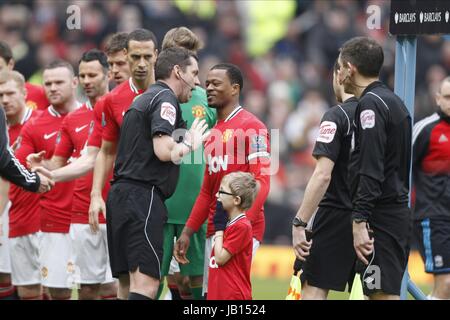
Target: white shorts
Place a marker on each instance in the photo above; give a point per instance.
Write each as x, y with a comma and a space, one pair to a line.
90, 254
5, 262
57, 270
25, 264
208, 250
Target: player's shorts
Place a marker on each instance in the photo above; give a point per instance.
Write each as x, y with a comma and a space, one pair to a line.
25, 265
195, 254
90, 254
332, 257
392, 229
57, 269
5, 262
135, 224
208, 250
434, 245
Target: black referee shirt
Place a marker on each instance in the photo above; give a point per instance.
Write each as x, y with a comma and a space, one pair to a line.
381, 159
334, 142
154, 112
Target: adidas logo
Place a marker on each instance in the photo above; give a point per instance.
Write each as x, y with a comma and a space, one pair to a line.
443, 138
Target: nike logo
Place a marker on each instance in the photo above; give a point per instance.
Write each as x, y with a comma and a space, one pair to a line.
80, 128
48, 136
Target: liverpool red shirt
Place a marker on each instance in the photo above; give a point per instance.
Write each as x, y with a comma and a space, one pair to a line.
75, 129
37, 135
231, 281
238, 143
116, 104
24, 213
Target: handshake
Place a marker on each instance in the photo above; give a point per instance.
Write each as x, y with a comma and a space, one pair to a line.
35, 164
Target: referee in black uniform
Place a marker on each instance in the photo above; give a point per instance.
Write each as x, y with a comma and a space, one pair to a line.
379, 170
145, 173
12, 170
332, 243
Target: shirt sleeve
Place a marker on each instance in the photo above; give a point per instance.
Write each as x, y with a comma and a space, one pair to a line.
236, 238
64, 144
111, 129
200, 210
95, 136
258, 151
372, 138
10, 167
164, 115
331, 131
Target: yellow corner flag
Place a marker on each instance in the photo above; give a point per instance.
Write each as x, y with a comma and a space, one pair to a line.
357, 289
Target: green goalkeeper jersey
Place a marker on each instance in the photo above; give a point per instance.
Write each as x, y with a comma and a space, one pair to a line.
179, 206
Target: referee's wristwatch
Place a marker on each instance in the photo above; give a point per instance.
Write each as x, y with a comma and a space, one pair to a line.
297, 222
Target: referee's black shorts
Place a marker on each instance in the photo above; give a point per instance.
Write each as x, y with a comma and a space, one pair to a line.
330, 264
135, 219
392, 232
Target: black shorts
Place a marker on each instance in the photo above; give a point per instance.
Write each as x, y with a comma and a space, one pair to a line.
331, 261
135, 222
392, 232
434, 243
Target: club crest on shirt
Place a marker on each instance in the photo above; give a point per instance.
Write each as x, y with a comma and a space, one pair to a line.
198, 112
327, 131
168, 112
44, 272
367, 118
31, 104
227, 134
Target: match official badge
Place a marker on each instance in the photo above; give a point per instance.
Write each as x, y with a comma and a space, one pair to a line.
168, 112
227, 134
367, 118
327, 131
198, 112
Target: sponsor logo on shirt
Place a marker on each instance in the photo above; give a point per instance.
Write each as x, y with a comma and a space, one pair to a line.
327, 131
49, 135
168, 112
367, 118
215, 164
198, 112
80, 128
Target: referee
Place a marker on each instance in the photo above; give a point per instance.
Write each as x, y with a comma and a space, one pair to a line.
145, 174
13, 171
379, 168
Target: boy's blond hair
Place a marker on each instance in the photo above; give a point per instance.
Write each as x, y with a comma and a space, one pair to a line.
243, 185
182, 37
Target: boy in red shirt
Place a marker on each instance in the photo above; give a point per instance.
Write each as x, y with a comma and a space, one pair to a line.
231, 258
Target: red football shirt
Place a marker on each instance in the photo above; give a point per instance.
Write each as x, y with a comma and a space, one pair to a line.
37, 135
36, 98
24, 212
238, 143
74, 133
232, 280
116, 104
95, 137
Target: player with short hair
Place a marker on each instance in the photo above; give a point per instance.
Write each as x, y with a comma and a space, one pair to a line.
35, 95
239, 142
22, 219
379, 168
180, 204
431, 168
328, 193
55, 206
231, 257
